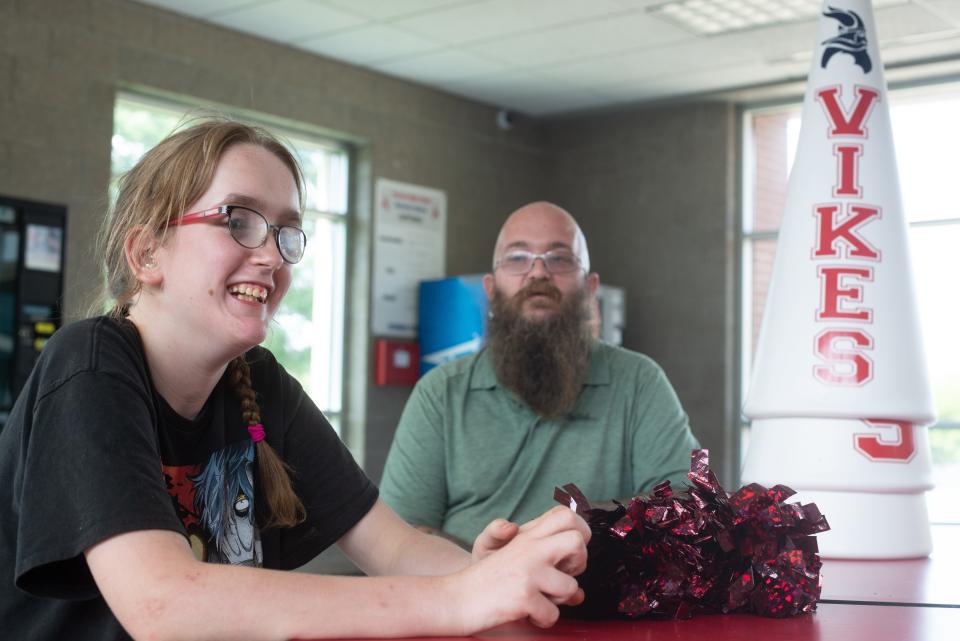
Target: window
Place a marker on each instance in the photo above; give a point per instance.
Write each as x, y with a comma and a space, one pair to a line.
925, 131
307, 335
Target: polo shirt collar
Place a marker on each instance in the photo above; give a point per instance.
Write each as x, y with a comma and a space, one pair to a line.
598, 369
483, 376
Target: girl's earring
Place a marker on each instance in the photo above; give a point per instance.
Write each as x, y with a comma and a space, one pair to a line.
150, 262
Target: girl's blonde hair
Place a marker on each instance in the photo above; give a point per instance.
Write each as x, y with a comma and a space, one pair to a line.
164, 182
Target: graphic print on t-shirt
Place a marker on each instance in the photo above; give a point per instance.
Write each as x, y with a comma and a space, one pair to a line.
215, 505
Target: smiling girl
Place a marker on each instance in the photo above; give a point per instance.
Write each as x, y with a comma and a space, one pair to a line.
159, 467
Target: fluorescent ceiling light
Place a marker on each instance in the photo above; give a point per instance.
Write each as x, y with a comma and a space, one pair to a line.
713, 17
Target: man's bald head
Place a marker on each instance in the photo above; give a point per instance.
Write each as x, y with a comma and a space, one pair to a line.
545, 224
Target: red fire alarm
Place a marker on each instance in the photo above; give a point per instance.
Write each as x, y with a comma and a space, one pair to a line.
397, 362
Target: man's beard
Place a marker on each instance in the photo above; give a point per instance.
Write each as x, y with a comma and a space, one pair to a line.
543, 361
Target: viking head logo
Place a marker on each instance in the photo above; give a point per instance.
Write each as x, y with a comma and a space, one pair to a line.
851, 38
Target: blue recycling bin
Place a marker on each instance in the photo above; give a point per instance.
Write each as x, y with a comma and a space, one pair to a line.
453, 313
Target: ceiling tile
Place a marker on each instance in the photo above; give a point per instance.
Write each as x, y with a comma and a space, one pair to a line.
441, 67
584, 40
904, 51
695, 81
534, 103
899, 21
775, 41
527, 92
393, 9
948, 9
370, 44
498, 18
692, 55
505, 82
287, 20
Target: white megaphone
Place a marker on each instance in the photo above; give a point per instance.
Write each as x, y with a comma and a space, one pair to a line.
840, 395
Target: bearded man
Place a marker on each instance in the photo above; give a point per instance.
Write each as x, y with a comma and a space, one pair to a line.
543, 404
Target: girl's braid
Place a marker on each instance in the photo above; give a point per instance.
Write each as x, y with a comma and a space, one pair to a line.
286, 509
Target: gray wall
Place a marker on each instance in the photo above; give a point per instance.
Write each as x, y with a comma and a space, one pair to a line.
654, 191
652, 188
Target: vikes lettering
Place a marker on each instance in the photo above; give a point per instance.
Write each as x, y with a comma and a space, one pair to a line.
839, 239
845, 261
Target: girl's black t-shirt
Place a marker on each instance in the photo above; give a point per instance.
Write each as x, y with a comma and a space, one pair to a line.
90, 451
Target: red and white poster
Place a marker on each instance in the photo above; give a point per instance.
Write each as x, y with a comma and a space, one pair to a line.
410, 241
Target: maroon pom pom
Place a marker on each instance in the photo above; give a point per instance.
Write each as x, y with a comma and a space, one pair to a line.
674, 553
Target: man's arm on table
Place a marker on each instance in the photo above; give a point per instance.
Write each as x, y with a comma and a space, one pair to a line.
414, 477
662, 439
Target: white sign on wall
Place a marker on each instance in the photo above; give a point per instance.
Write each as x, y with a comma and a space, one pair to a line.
409, 246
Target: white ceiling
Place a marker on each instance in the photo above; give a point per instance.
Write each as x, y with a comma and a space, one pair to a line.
546, 57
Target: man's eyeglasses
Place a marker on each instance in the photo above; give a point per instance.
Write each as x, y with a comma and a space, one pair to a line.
556, 261
250, 229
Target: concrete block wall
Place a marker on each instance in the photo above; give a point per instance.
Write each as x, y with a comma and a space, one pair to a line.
653, 188
654, 191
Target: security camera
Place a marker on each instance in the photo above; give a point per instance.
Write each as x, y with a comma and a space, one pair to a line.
505, 119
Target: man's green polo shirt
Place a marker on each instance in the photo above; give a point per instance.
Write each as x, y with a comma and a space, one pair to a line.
468, 451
